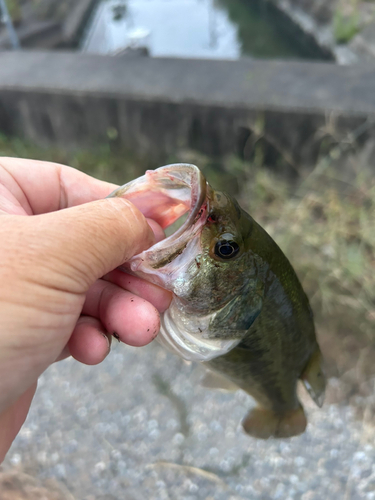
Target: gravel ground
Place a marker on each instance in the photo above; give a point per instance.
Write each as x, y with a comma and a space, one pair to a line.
140, 426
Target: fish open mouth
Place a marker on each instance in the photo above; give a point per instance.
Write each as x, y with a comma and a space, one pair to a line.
166, 195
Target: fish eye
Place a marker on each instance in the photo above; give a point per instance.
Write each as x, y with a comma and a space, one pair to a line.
226, 249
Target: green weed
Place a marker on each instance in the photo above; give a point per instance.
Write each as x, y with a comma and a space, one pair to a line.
14, 10
104, 162
345, 26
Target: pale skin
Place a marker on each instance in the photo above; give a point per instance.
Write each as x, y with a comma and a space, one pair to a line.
60, 292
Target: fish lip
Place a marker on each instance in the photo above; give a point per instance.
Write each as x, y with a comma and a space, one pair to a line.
181, 174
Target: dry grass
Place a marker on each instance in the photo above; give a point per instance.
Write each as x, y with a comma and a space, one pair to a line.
327, 229
350, 17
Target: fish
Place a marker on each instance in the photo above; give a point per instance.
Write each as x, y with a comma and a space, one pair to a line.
238, 306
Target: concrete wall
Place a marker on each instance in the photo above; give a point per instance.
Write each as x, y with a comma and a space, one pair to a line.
159, 106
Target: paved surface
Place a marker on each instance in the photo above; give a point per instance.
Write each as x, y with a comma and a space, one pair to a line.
141, 426
283, 85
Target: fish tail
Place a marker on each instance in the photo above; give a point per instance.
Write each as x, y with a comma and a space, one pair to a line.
313, 378
263, 424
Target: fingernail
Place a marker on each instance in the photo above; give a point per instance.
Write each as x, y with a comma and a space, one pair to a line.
109, 341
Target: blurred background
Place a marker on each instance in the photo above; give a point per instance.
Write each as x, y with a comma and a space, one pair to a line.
275, 101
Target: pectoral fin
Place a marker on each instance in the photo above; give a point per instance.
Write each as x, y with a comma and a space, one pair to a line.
213, 380
239, 314
313, 378
263, 424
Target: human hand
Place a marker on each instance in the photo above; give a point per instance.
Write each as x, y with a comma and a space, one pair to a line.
60, 292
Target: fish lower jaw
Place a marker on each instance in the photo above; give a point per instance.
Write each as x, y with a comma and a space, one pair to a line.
190, 346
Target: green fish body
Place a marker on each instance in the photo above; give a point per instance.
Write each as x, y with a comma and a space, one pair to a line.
237, 305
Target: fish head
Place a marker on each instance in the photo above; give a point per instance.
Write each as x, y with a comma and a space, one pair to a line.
207, 259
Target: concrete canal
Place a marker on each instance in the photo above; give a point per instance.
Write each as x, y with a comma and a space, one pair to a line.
214, 29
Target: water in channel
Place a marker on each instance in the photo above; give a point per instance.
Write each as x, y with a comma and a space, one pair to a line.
221, 29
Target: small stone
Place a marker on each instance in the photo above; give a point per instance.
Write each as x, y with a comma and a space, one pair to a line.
299, 461
178, 439
15, 459
100, 466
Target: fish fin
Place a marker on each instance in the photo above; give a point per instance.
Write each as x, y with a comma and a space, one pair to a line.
263, 424
250, 305
212, 380
313, 378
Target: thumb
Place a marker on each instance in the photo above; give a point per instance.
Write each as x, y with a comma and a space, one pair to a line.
78, 245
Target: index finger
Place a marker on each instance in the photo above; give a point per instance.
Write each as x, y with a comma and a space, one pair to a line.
39, 187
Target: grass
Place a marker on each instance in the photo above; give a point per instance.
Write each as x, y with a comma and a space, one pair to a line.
326, 227
105, 162
14, 10
349, 17
345, 26
324, 223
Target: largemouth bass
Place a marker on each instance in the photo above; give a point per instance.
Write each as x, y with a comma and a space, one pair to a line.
237, 304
